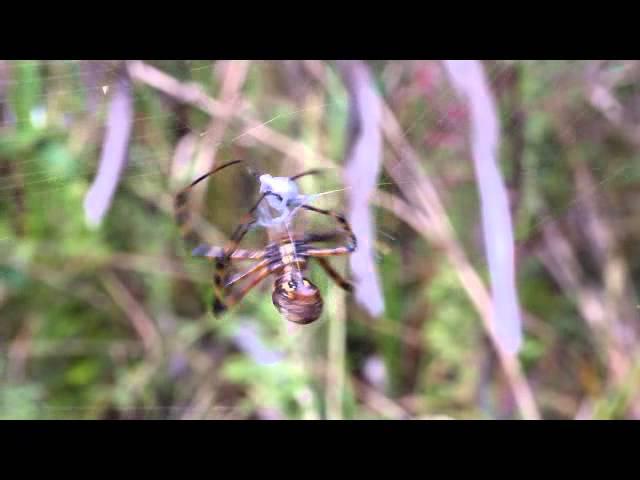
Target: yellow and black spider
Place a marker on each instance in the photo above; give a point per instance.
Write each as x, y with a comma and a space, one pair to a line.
286, 258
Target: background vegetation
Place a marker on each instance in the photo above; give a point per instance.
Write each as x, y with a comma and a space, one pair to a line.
112, 321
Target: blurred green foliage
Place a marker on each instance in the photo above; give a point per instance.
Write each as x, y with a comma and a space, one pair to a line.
72, 297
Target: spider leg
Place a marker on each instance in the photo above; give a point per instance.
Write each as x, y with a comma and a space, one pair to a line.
222, 303
224, 258
327, 252
212, 251
320, 237
181, 206
220, 287
352, 242
236, 237
308, 172
335, 276
236, 278
257, 274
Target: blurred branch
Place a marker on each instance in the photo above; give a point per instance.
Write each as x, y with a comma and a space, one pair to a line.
233, 78
600, 94
614, 401
94, 75
619, 296
73, 347
151, 264
202, 402
469, 79
59, 281
141, 322
425, 200
114, 152
408, 214
247, 338
183, 153
426, 214
336, 362
379, 402
194, 95
18, 352
361, 171
165, 202
559, 258
610, 307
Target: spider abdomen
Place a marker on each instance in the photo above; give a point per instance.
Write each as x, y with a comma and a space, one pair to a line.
297, 301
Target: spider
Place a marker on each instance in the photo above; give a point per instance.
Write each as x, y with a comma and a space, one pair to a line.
286, 257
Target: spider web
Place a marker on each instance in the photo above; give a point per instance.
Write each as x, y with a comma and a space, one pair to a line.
586, 206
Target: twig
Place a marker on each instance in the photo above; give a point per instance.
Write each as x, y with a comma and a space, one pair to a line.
379, 402
232, 83
336, 358
469, 79
114, 153
147, 263
18, 352
426, 199
141, 322
194, 95
428, 217
601, 98
363, 164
